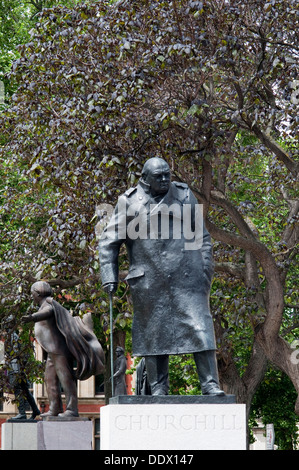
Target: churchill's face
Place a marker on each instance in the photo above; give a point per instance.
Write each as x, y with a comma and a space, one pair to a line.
158, 176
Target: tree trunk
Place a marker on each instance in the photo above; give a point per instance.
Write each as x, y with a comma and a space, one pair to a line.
267, 338
268, 345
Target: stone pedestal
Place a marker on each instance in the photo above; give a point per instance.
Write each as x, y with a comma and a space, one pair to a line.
19, 435
64, 435
51, 434
173, 423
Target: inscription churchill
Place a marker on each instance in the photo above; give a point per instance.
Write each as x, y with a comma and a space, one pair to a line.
184, 422
171, 268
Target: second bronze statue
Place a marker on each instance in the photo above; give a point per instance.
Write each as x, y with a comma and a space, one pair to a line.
65, 339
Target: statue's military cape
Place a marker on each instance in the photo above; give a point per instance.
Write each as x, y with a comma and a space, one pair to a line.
81, 342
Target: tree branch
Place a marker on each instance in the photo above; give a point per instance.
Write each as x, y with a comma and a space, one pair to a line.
275, 305
231, 268
272, 145
218, 199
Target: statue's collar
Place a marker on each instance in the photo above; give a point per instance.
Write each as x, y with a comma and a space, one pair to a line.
145, 186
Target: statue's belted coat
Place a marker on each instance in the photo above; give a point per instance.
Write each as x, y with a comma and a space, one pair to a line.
169, 281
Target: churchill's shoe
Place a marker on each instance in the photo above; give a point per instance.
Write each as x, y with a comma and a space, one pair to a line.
214, 390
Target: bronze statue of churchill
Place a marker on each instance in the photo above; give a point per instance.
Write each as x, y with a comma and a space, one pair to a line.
169, 277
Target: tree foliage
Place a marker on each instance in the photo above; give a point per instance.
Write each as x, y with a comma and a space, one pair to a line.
17, 18
209, 86
273, 403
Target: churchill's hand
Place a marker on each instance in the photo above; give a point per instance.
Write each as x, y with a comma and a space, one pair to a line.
110, 287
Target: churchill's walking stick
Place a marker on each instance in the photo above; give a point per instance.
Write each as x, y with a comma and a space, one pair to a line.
111, 343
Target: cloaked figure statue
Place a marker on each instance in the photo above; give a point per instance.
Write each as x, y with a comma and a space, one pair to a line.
65, 339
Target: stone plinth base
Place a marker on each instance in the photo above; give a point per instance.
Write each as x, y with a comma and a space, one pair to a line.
19, 435
173, 426
48, 435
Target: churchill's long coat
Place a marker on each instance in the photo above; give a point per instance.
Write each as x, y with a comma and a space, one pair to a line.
169, 282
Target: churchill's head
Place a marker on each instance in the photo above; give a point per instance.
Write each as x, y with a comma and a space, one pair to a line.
156, 173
